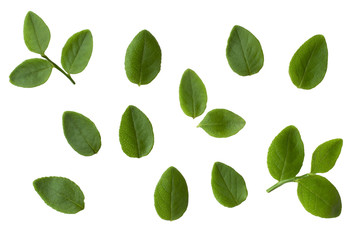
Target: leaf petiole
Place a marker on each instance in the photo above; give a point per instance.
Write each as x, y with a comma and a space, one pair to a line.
58, 68
280, 183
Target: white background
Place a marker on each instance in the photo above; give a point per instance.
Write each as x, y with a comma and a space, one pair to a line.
192, 34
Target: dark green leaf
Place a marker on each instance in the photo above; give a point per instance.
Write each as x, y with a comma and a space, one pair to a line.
77, 52
171, 195
286, 154
244, 52
81, 133
309, 64
319, 197
228, 186
222, 123
31, 73
325, 156
136, 133
192, 94
60, 193
143, 58
36, 33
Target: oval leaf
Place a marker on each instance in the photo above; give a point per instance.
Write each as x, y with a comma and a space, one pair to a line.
36, 33
81, 133
244, 52
192, 92
31, 73
319, 197
77, 52
286, 154
143, 58
309, 64
222, 123
136, 133
60, 193
325, 156
228, 186
171, 195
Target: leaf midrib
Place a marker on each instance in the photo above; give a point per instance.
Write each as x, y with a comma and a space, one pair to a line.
36, 34
242, 50
77, 52
307, 65
227, 187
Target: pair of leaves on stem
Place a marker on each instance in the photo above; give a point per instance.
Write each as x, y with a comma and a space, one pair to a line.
218, 123
36, 71
316, 193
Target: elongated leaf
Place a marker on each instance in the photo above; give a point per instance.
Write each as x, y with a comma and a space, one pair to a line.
60, 193
222, 123
81, 133
136, 133
325, 156
36, 33
319, 197
77, 52
171, 195
31, 73
143, 58
309, 63
192, 92
244, 52
286, 154
228, 186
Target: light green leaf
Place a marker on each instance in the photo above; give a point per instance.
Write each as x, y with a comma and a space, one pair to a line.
228, 186
171, 195
309, 64
319, 197
222, 123
31, 73
286, 154
143, 58
192, 92
136, 133
36, 33
325, 156
81, 133
77, 52
244, 52
60, 193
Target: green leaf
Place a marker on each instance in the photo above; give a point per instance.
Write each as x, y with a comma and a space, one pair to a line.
77, 52
222, 123
136, 133
286, 154
192, 94
36, 33
171, 195
309, 64
31, 73
81, 133
319, 197
244, 52
325, 156
228, 186
60, 193
143, 58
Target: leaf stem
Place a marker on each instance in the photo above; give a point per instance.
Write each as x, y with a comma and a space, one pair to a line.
280, 183
59, 68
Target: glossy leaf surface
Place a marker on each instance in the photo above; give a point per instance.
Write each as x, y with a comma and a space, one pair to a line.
60, 193
171, 195
31, 73
244, 52
228, 186
192, 92
319, 197
286, 154
136, 133
222, 123
325, 156
143, 58
36, 33
77, 52
309, 63
81, 133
